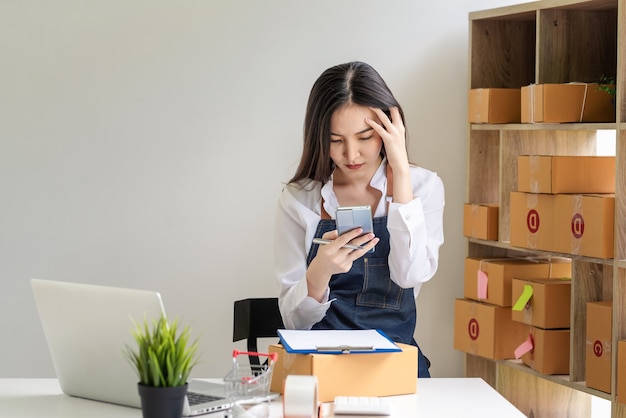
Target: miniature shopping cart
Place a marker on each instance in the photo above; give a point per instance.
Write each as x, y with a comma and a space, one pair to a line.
247, 383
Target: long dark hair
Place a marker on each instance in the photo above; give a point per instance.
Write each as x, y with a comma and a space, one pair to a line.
351, 83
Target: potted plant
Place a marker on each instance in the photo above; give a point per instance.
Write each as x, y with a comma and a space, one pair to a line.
163, 360
607, 85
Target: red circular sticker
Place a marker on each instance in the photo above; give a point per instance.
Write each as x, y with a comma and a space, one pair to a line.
473, 329
597, 348
532, 221
578, 226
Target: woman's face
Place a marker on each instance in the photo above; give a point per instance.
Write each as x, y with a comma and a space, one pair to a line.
354, 146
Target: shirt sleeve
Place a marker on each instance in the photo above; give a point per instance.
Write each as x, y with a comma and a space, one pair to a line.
416, 232
298, 310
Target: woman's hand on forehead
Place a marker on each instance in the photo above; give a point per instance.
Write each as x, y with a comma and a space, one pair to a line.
393, 134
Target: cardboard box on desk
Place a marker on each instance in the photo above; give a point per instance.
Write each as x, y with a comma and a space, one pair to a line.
497, 276
361, 374
564, 103
486, 330
565, 174
532, 220
494, 105
584, 225
480, 220
550, 352
599, 345
543, 303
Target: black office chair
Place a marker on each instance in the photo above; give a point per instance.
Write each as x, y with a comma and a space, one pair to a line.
256, 318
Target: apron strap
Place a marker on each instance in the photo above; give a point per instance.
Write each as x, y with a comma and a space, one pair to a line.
325, 214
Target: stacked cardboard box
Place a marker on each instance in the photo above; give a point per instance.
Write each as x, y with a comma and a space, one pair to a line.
544, 304
569, 102
490, 280
483, 323
554, 174
541, 103
598, 347
494, 105
480, 220
485, 330
564, 204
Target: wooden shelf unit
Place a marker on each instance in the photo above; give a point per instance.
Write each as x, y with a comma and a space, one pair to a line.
549, 41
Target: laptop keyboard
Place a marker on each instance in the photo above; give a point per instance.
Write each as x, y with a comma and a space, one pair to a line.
195, 398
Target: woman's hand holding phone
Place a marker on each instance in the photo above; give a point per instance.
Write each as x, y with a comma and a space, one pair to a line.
334, 258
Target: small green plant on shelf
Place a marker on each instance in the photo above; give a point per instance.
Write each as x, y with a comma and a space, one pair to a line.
607, 84
164, 356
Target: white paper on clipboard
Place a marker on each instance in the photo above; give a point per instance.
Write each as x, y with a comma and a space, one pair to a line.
336, 341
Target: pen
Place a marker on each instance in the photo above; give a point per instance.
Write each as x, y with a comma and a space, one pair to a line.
346, 348
321, 241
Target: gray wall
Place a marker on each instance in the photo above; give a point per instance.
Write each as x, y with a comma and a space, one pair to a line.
144, 144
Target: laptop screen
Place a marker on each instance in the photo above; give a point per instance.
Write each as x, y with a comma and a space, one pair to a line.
87, 328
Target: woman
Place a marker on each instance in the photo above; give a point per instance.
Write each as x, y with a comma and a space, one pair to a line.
355, 155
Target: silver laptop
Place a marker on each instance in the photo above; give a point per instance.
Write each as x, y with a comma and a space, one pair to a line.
88, 326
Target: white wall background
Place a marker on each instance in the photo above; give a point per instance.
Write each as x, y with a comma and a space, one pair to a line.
144, 144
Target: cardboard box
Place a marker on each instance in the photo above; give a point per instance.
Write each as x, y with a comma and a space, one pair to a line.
549, 305
598, 345
565, 174
363, 374
480, 220
494, 105
500, 273
532, 221
621, 371
583, 225
550, 353
486, 330
562, 103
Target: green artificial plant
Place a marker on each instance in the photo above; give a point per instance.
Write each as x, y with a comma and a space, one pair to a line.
607, 84
164, 356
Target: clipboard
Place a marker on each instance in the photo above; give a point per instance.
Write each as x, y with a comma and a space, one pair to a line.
336, 341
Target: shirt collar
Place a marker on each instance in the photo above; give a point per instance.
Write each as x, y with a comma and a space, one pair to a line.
379, 182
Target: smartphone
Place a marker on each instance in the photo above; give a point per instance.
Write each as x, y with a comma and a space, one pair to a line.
350, 217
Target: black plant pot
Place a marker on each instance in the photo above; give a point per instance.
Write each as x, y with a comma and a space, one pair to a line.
162, 402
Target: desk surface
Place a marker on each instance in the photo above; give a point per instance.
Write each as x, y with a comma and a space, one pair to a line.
436, 397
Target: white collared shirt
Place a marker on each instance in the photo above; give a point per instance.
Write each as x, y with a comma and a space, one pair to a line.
415, 234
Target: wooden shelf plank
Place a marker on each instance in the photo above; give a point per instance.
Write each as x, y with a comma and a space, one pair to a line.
563, 380
508, 246
545, 126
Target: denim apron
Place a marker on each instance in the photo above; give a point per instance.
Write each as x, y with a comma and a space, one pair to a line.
367, 298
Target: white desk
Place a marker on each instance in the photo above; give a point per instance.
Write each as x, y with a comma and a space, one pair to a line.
458, 397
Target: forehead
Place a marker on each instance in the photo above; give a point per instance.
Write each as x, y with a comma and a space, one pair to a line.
350, 119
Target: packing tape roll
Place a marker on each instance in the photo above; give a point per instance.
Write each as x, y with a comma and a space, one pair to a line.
300, 397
